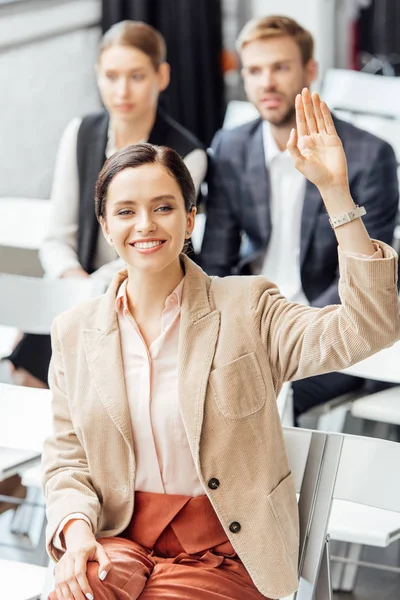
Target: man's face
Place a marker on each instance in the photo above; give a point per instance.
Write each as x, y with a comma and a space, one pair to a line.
273, 73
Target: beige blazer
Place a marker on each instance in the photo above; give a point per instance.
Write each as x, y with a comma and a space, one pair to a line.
239, 341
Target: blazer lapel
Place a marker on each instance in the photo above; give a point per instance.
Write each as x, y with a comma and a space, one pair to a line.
103, 354
198, 337
311, 209
257, 185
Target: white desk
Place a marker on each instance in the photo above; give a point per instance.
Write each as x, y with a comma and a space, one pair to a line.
14, 460
23, 222
20, 581
383, 366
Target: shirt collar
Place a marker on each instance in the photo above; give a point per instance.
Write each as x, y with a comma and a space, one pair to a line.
271, 149
121, 301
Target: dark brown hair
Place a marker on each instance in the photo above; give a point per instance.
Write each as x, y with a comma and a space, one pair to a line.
277, 26
138, 155
136, 35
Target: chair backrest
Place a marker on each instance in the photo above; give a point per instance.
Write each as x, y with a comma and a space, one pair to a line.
371, 102
362, 93
30, 304
306, 454
355, 469
367, 472
298, 444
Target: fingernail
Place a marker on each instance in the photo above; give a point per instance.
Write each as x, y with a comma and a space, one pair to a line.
89, 596
103, 575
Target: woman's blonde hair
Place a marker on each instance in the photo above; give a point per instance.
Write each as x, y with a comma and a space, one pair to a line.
136, 35
276, 26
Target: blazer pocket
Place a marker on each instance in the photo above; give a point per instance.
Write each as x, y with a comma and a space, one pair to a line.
284, 507
238, 387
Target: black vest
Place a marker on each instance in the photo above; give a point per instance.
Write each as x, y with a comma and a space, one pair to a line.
92, 141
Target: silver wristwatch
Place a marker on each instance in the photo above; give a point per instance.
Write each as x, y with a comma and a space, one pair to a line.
356, 213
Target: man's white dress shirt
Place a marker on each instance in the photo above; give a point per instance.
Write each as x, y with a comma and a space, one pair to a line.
287, 189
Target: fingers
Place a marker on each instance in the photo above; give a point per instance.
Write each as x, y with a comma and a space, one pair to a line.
309, 111
104, 562
319, 117
313, 115
301, 123
70, 590
80, 568
329, 124
294, 152
71, 581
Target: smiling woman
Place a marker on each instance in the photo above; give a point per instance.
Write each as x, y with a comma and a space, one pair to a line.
166, 474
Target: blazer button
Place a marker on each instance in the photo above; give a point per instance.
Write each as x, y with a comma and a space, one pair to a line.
213, 484
235, 527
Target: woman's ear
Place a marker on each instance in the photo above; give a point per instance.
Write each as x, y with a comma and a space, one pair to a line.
164, 76
191, 218
105, 230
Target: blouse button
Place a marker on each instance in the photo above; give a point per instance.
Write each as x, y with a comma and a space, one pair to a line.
213, 484
235, 527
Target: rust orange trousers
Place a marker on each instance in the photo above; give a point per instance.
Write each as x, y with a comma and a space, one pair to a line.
174, 548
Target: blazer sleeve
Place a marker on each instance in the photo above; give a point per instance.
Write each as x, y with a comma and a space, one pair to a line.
66, 477
378, 191
221, 243
303, 341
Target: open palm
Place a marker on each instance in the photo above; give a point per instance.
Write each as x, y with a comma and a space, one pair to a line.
315, 147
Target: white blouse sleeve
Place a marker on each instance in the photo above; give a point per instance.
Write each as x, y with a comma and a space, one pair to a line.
59, 249
196, 162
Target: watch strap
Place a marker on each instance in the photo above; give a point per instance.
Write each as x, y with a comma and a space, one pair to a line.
355, 213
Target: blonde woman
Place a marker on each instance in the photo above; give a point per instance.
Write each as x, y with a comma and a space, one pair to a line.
131, 73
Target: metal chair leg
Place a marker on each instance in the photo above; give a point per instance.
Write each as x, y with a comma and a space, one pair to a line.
324, 585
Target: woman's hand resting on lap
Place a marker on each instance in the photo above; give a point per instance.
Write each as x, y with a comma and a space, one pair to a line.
71, 581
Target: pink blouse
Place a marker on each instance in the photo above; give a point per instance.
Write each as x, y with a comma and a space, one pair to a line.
164, 463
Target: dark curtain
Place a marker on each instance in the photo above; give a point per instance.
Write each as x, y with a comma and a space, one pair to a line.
193, 33
379, 33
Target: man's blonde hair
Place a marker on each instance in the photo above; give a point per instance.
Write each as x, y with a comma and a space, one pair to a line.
276, 26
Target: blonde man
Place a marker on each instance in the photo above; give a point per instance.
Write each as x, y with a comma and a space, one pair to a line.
263, 217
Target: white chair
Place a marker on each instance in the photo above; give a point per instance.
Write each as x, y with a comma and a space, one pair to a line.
30, 304
366, 497
370, 102
353, 527
357, 92
23, 224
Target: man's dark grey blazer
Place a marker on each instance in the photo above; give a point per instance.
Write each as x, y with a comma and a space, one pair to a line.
238, 203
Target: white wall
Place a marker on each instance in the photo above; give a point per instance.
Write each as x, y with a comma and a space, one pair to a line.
318, 16
47, 56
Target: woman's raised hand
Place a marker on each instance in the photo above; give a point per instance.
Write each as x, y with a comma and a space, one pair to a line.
315, 147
